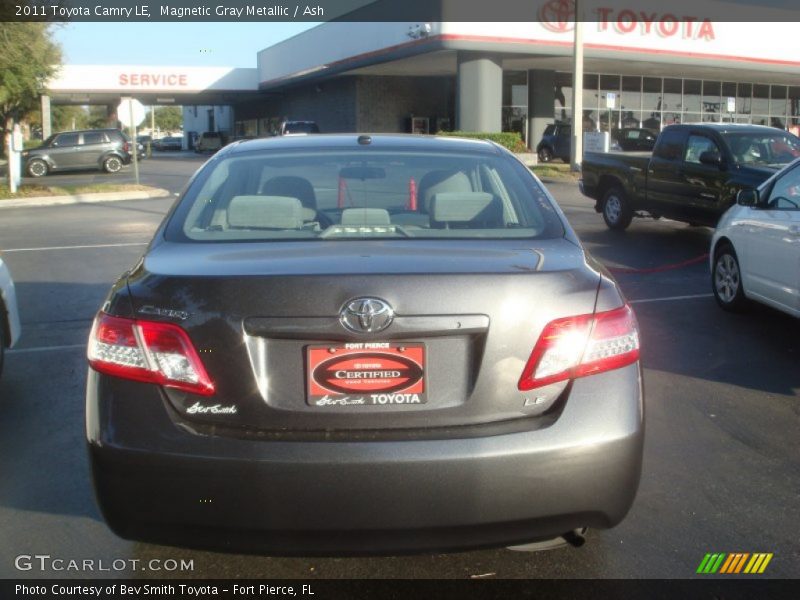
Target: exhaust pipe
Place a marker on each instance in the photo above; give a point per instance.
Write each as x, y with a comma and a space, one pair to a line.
576, 537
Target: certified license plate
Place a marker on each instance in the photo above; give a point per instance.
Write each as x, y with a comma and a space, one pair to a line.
366, 374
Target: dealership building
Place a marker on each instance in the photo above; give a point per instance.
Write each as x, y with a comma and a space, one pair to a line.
646, 70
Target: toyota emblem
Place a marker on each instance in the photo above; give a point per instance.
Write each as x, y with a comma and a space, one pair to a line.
366, 315
557, 15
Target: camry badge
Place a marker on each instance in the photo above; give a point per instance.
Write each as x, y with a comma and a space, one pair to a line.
366, 315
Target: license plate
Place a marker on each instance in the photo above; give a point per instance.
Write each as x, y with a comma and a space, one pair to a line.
366, 374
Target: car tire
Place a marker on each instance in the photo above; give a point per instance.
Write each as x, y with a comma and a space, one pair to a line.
112, 164
726, 279
545, 155
617, 212
37, 168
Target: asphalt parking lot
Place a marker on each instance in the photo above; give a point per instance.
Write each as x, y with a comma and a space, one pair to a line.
722, 462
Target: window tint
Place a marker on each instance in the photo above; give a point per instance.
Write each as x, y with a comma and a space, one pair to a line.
696, 145
670, 145
66, 139
93, 137
301, 127
549, 130
333, 195
786, 192
773, 149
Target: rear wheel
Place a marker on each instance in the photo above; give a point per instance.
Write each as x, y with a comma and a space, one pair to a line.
37, 168
726, 279
617, 212
112, 165
545, 155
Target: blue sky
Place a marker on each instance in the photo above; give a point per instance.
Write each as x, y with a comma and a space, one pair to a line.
180, 44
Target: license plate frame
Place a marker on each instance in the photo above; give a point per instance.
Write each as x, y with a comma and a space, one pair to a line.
366, 374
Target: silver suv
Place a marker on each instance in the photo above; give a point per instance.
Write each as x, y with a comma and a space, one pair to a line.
106, 149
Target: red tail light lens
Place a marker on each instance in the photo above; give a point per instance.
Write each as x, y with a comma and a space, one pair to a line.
126, 147
583, 345
148, 351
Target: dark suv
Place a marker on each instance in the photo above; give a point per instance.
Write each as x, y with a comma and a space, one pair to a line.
555, 143
107, 149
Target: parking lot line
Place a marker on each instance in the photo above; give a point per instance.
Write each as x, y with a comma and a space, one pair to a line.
45, 349
670, 298
8, 250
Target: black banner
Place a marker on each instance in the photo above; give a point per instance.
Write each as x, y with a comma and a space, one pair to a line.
733, 588
555, 11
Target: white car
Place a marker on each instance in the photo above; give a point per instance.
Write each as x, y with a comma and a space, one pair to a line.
9, 316
755, 251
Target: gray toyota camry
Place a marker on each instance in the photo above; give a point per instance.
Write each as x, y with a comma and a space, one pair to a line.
364, 344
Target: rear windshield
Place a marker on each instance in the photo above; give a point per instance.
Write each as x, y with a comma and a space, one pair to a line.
336, 195
301, 127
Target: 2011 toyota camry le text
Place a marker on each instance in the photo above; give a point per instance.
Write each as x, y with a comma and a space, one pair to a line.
343, 344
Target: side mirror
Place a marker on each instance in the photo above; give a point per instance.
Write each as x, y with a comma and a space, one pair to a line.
709, 157
747, 197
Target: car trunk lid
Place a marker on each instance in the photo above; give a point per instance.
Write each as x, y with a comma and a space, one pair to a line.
262, 317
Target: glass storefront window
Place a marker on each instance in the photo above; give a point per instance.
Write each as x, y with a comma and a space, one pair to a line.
711, 101
652, 89
563, 96
654, 103
760, 104
794, 106
515, 102
728, 91
631, 101
744, 98
609, 117
673, 101
777, 105
692, 88
515, 88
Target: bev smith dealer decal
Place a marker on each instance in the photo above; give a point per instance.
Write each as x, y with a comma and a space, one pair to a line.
370, 374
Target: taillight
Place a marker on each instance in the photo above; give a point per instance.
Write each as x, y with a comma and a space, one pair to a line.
583, 345
149, 351
126, 147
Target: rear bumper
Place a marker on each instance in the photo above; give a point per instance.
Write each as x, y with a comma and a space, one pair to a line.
159, 483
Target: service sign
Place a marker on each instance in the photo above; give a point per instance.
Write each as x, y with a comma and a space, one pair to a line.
366, 374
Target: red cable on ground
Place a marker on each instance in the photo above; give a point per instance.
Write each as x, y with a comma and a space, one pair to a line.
686, 263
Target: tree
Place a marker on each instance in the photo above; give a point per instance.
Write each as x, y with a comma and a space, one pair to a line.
28, 58
98, 117
169, 118
67, 118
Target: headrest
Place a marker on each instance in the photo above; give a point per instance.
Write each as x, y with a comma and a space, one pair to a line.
435, 182
365, 216
273, 212
478, 208
292, 187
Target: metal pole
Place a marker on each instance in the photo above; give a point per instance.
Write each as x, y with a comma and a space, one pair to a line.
152, 131
576, 151
134, 142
